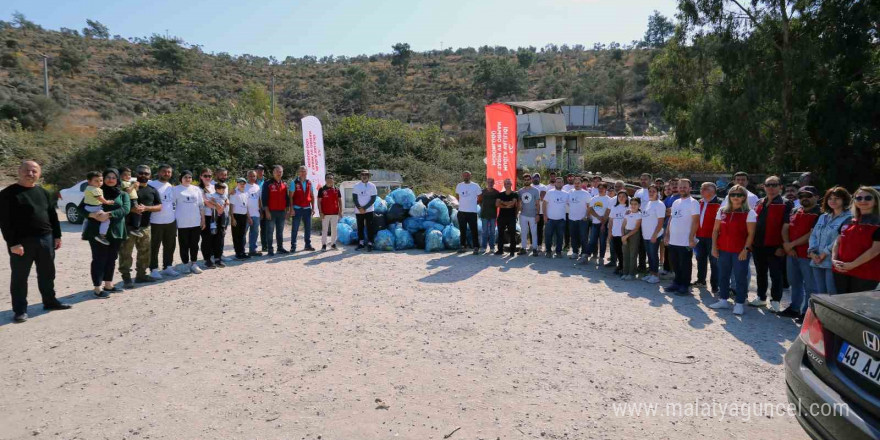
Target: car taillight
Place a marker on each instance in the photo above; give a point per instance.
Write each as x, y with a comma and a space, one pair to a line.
813, 334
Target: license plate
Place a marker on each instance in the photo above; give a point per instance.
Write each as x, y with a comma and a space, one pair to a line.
860, 362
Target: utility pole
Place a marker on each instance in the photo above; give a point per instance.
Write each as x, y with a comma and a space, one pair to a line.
272, 110
46, 75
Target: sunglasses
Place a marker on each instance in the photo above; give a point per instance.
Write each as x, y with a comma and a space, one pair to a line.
736, 195
771, 185
144, 174
207, 176
805, 196
867, 198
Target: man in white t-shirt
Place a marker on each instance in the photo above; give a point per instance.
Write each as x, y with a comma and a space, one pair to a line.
555, 203
253, 189
600, 209
645, 181
467, 193
741, 178
542, 190
364, 196
163, 227
578, 205
681, 238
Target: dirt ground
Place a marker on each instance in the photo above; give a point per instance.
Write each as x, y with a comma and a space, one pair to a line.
410, 345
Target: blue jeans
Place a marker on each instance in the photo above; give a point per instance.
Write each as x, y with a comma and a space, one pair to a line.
487, 236
800, 278
303, 215
554, 228
579, 238
729, 264
682, 264
653, 253
824, 279
598, 240
254, 234
706, 261
276, 223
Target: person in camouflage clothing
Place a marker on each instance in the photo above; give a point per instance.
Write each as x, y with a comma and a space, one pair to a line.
147, 202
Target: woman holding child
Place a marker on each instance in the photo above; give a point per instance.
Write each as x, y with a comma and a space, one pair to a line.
104, 255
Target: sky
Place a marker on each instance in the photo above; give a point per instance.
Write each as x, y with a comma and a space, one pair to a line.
349, 27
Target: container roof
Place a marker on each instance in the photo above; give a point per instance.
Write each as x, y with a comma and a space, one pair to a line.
536, 106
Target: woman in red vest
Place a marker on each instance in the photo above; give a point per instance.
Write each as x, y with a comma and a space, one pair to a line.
732, 238
856, 254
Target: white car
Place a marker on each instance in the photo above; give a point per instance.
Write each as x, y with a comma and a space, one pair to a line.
69, 199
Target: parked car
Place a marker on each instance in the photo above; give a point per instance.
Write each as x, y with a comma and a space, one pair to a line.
69, 199
832, 370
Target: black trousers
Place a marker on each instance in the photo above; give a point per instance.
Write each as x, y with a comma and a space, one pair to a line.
39, 251
766, 262
468, 221
212, 241
162, 235
682, 264
643, 256
847, 284
104, 260
365, 221
507, 226
188, 239
263, 244
540, 223
617, 244
238, 233
133, 220
567, 234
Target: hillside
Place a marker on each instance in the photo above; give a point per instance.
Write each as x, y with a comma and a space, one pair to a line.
102, 81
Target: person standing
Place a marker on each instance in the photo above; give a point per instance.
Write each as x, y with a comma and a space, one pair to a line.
163, 226
467, 193
329, 207
253, 189
303, 203
555, 202
645, 180
208, 233
836, 213
791, 194
32, 233
578, 204
188, 213
507, 205
795, 241
615, 232
856, 254
488, 216
276, 209
148, 202
732, 236
709, 205
542, 189
741, 178
529, 201
600, 209
632, 237
238, 201
260, 171
104, 255
681, 238
773, 212
653, 214
364, 197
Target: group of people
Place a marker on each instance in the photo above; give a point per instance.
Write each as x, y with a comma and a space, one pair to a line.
827, 244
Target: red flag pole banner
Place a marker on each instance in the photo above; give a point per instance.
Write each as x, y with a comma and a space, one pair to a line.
500, 144
313, 153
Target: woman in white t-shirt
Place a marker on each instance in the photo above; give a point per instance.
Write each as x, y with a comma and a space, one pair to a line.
188, 206
615, 232
653, 214
631, 238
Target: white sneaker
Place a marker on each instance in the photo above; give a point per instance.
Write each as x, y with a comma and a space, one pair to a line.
184, 268
170, 272
758, 302
194, 268
720, 304
775, 307
738, 309
155, 273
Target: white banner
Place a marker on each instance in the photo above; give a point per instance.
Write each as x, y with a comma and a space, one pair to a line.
313, 153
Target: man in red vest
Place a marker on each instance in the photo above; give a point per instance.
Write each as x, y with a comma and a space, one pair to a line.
303, 202
709, 204
276, 204
773, 212
796, 240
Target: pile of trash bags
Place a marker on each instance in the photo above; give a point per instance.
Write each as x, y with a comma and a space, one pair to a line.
403, 221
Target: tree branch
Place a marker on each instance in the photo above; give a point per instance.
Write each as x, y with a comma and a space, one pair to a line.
755, 21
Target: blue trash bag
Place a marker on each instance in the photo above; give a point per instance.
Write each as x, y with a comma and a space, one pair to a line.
454, 218
343, 232
354, 236
418, 210
403, 196
413, 224
350, 221
451, 237
379, 206
384, 240
438, 212
394, 226
403, 240
429, 226
434, 241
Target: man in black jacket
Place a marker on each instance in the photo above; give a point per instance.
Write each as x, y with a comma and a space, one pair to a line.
30, 227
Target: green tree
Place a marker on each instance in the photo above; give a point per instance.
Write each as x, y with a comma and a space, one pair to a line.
401, 56
525, 57
499, 77
71, 59
23, 23
95, 29
659, 30
357, 90
169, 54
619, 85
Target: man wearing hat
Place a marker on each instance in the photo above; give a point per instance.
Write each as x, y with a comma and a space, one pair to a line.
364, 196
795, 241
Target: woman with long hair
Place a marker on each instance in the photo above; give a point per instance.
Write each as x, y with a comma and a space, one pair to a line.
835, 213
189, 203
732, 239
615, 232
856, 253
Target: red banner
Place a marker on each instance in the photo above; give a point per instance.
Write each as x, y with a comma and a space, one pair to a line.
500, 144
